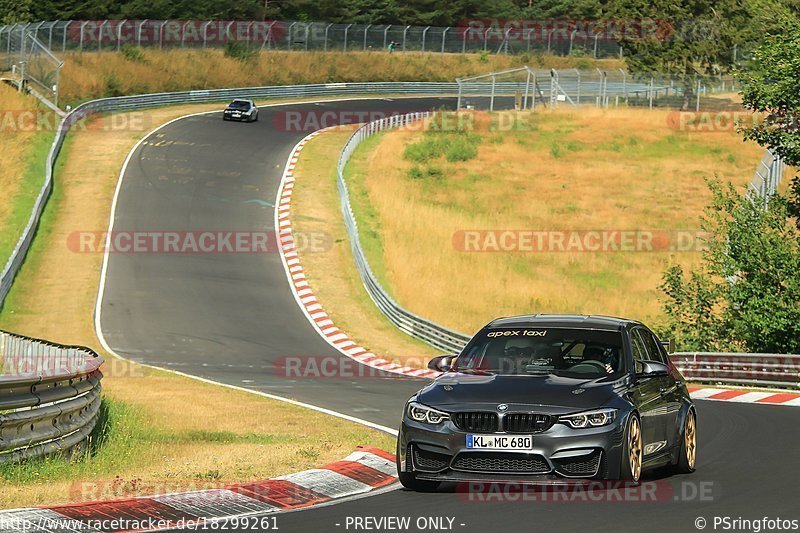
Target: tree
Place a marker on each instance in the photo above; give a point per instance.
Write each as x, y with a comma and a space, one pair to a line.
746, 295
770, 87
14, 11
681, 39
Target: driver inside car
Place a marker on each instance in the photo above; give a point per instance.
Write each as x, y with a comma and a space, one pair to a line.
602, 355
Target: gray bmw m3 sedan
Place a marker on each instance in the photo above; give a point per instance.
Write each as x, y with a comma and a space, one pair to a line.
546, 397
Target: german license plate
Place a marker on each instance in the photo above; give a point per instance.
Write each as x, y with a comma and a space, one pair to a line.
499, 442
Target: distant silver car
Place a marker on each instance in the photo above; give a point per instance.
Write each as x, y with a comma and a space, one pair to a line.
241, 110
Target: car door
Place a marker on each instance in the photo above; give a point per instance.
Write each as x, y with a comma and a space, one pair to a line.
668, 387
647, 396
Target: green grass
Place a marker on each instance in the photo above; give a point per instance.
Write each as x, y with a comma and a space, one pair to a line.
115, 442
23, 200
369, 228
14, 304
121, 438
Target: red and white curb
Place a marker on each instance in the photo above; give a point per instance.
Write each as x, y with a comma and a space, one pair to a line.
745, 396
364, 470
305, 295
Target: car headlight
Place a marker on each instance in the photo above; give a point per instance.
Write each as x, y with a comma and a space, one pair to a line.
423, 413
589, 419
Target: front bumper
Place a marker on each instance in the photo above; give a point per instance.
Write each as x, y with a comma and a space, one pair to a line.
239, 118
439, 453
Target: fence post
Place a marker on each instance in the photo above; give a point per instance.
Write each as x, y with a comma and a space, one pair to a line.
491, 102
650, 93
385, 32
83, 26
697, 107
64, 37
289, 36
205, 34
405, 31
100, 35
597, 36
346, 30
423, 37
444, 33
458, 103
366, 29
571, 38
486, 39
328, 27
527, 88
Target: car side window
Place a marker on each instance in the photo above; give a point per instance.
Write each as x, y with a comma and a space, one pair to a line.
653, 348
639, 351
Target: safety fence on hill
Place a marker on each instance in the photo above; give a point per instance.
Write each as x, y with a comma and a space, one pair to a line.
49, 397
557, 37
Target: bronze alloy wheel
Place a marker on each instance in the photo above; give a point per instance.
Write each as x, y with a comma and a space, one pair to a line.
690, 437
635, 449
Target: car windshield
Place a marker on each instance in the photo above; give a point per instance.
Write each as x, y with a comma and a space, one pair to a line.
578, 353
239, 104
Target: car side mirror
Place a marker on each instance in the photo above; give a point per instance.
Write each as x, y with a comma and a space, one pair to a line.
653, 369
443, 363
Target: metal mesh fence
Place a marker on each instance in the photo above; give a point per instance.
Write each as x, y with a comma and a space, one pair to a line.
93, 35
31, 60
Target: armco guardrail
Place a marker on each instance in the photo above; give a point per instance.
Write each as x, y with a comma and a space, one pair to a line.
438, 336
49, 397
774, 370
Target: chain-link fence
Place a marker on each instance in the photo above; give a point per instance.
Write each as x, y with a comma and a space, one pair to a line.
531, 88
87, 35
31, 61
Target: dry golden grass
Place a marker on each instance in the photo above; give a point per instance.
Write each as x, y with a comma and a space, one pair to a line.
331, 272
587, 170
189, 434
97, 74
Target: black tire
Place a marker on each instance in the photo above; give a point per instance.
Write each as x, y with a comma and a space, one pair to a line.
687, 455
631, 467
410, 481
256, 119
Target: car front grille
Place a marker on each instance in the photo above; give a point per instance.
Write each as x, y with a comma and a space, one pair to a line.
585, 465
429, 461
485, 422
510, 463
526, 423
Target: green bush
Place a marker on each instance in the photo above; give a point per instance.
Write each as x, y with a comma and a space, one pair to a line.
461, 149
240, 51
420, 152
415, 173
132, 53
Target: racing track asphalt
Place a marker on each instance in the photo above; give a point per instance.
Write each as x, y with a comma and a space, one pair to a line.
231, 317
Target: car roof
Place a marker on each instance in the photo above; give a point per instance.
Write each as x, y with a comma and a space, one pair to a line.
563, 321
242, 100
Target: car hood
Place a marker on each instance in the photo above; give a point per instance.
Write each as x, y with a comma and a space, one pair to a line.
550, 394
